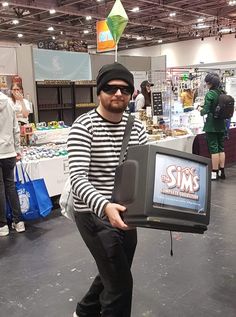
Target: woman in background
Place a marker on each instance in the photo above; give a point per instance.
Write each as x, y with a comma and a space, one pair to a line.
187, 98
143, 100
20, 104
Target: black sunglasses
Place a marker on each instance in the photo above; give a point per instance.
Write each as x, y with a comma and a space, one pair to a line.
112, 89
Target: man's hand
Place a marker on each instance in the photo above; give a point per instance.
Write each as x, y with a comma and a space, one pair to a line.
113, 213
18, 157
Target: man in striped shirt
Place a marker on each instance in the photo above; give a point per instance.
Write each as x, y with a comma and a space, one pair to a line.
94, 146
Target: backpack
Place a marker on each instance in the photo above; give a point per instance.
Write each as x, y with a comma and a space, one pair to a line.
224, 108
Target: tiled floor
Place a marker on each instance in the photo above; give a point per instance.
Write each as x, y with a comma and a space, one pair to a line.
44, 271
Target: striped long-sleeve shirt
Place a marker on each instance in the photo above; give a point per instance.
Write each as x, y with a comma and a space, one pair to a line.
94, 146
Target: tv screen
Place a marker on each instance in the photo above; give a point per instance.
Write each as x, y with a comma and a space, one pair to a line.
164, 189
180, 184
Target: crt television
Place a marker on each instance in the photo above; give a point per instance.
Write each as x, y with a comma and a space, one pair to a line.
164, 189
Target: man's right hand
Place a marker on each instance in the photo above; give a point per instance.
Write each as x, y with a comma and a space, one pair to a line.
113, 211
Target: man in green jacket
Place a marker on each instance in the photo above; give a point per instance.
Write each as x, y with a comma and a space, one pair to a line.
214, 128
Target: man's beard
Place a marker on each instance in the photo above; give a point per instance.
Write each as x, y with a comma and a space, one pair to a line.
115, 108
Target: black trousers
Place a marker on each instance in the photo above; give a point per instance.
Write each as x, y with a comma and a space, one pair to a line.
110, 294
8, 190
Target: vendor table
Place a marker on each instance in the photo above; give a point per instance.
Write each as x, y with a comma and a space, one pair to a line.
181, 143
54, 171
200, 146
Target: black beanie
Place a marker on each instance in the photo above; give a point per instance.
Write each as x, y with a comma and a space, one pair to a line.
112, 72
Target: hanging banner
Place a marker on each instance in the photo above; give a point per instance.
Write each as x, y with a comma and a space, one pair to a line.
105, 40
60, 65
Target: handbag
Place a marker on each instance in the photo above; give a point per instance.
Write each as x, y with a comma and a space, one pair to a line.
33, 196
66, 200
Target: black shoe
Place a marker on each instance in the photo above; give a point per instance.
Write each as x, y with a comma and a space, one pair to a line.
221, 174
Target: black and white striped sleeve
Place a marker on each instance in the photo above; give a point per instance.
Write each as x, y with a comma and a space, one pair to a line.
79, 152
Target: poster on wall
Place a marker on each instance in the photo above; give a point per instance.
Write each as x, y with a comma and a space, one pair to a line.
105, 40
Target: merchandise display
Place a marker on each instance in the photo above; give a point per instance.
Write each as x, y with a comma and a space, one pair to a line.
45, 151
42, 133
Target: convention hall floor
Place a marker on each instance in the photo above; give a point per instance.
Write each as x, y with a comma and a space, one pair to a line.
44, 271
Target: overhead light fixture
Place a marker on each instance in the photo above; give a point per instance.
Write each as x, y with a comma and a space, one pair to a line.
160, 41
86, 31
200, 20
20, 35
51, 28
135, 9
53, 37
52, 11
15, 21
225, 30
61, 32
5, 4
200, 26
88, 17
232, 3
172, 14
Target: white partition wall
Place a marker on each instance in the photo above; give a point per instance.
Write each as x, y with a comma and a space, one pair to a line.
193, 52
8, 64
26, 72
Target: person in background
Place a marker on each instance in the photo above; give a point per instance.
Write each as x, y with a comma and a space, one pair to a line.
187, 98
214, 128
131, 105
143, 99
94, 146
20, 104
9, 154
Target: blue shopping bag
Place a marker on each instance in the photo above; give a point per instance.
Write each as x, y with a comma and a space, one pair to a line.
33, 195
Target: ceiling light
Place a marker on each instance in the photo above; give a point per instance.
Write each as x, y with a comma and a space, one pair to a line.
135, 9
172, 14
5, 4
52, 11
15, 21
26, 12
139, 38
200, 20
160, 41
86, 31
225, 30
61, 32
232, 3
20, 35
200, 26
51, 28
53, 37
88, 17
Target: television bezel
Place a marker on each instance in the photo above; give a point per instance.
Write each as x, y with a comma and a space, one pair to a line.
137, 173
168, 211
